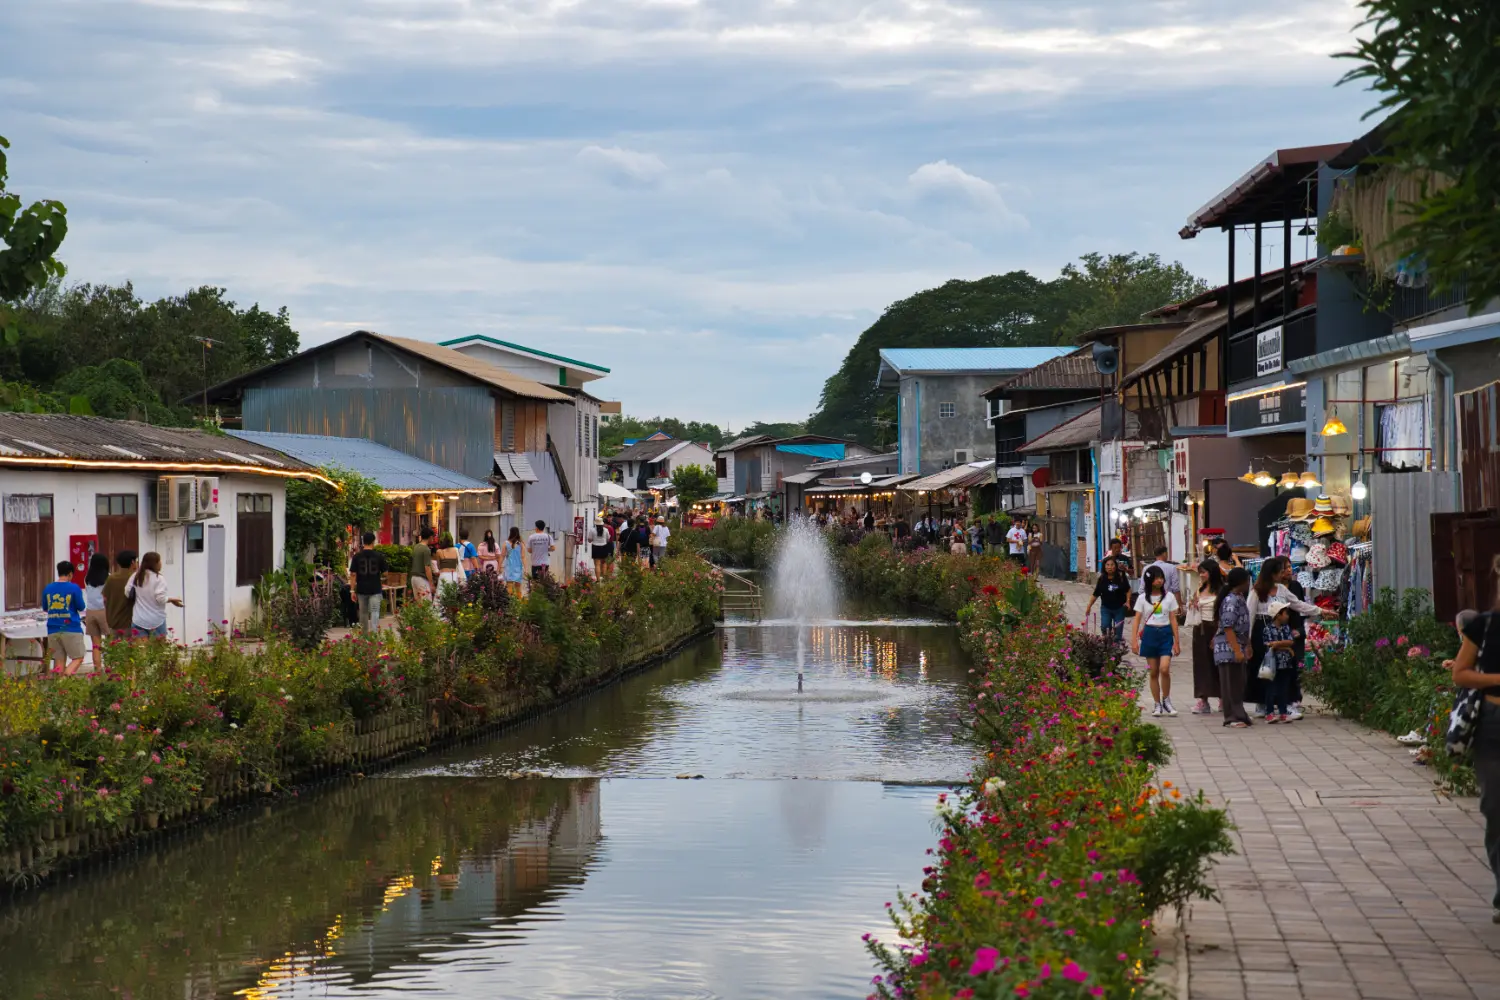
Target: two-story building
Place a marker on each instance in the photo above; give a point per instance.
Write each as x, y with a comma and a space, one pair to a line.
942, 417
648, 464
431, 402
753, 469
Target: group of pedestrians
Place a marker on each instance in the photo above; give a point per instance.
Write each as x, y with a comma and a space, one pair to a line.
128, 600
643, 538
1248, 637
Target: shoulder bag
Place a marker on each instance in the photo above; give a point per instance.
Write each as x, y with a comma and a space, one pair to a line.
1463, 721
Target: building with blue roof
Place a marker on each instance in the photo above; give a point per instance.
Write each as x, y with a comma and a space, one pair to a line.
942, 417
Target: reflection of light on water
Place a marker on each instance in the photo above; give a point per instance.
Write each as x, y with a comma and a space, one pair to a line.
922, 664
292, 966
396, 890
437, 865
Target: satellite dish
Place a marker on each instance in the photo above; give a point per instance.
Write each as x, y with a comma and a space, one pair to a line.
1106, 359
866, 478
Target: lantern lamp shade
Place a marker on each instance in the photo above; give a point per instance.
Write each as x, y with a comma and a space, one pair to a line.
1334, 426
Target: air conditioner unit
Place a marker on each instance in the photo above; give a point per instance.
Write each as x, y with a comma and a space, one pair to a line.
205, 498
174, 498
961, 457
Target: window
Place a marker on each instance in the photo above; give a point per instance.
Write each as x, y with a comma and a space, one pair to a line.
947, 409
195, 537
578, 422
721, 467
29, 557
117, 523
253, 542
507, 426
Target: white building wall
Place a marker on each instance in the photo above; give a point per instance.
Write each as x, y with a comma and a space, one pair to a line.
543, 370
726, 481
74, 513
693, 454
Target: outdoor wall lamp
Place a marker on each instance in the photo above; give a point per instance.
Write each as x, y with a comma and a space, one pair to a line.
1334, 426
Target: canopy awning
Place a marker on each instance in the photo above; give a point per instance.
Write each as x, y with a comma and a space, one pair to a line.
800, 478
513, 467
614, 491
948, 478
1147, 502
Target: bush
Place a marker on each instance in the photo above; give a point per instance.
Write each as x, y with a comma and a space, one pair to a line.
397, 557
1388, 674
1055, 857
737, 542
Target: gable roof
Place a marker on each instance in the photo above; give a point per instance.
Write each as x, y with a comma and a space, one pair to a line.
60, 439
1070, 371
957, 360
1071, 433
648, 450
391, 470
448, 358
479, 338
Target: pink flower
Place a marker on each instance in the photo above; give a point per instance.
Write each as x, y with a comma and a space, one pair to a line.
984, 961
146, 780
1072, 972
982, 880
119, 737
1045, 972
1402, 640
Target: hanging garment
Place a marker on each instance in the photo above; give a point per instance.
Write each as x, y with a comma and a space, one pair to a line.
1403, 432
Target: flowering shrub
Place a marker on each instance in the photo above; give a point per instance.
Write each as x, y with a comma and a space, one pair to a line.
164, 729
1388, 674
1053, 860
937, 580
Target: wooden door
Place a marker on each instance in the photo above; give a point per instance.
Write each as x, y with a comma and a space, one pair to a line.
1445, 565
1476, 543
30, 562
117, 522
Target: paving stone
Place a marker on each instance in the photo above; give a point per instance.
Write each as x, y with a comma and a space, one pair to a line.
1354, 880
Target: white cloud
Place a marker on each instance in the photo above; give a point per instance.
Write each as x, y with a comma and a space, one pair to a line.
942, 181
624, 164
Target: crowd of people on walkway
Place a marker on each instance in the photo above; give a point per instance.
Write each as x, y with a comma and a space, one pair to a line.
1248, 637
126, 599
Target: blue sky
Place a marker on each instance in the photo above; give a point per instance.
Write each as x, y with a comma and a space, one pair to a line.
710, 197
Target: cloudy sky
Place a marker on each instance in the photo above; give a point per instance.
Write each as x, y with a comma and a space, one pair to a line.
711, 197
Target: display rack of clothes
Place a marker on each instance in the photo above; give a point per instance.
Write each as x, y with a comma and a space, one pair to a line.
1359, 585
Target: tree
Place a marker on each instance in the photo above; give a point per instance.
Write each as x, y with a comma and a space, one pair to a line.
1437, 66
784, 429
321, 518
1004, 310
612, 436
32, 237
693, 483
117, 388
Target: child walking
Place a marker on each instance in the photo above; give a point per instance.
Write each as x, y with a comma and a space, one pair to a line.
1280, 639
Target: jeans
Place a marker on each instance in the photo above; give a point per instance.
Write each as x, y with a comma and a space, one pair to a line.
369, 611
1112, 620
1279, 691
160, 630
1487, 771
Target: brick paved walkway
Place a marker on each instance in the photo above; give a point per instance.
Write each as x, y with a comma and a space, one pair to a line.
1353, 879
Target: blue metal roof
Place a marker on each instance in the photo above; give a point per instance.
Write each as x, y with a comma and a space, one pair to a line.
967, 359
389, 468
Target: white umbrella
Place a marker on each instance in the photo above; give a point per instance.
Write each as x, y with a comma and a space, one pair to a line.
615, 491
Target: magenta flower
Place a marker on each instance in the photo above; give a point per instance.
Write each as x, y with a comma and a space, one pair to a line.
984, 961
146, 780
1072, 972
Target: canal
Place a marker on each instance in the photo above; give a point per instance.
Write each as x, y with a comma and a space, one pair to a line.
566, 858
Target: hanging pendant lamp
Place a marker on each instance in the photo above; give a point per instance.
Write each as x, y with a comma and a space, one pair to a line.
1333, 426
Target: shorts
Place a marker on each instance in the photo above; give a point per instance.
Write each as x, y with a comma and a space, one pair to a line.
601, 553
96, 624
65, 646
421, 588
137, 632
1156, 641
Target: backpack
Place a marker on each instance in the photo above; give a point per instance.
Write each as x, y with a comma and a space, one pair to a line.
1463, 721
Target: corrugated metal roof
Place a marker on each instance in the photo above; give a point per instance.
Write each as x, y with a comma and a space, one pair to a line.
514, 467
744, 442
458, 361
389, 468
949, 478
800, 478
1352, 354
968, 359
1073, 433
645, 451
1071, 371
49, 437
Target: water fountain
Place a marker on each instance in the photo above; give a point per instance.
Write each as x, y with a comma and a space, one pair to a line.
804, 588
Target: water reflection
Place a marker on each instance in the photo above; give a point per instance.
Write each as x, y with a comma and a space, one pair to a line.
483, 888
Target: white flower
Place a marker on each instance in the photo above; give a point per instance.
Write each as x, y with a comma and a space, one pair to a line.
234, 725
993, 785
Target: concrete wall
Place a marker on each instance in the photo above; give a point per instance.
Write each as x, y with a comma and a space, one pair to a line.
934, 438
1144, 475
73, 513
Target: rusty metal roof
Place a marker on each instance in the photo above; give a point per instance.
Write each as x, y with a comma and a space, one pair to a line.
1210, 320
1283, 185
1075, 432
60, 439
1071, 371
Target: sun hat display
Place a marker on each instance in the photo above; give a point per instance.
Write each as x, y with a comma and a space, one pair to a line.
1317, 556
1299, 553
1306, 579
1338, 554
1322, 526
1323, 505
1361, 529
1299, 509
1329, 579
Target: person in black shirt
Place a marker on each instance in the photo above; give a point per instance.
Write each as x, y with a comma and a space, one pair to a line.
1477, 666
869, 520
1117, 553
367, 580
1112, 591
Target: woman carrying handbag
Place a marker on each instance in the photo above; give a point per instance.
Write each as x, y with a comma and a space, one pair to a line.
1477, 668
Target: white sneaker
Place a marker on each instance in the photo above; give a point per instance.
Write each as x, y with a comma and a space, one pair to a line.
1166, 707
1294, 714
1260, 712
1156, 709
1200, 707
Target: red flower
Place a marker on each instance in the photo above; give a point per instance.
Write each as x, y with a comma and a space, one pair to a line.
1025, 570
991, 590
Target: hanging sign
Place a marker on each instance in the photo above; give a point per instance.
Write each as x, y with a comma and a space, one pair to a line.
81, 549
1268, 352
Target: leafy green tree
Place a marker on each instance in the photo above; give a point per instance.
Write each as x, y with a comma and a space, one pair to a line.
1436, 65
1015, 309
322, 519
693, 483
775, 430
32, 236
117, 388
612, 437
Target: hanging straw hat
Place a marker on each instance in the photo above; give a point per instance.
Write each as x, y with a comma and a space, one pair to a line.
1299, 509
1361, 529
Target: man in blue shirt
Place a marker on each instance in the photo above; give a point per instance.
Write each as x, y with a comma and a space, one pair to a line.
63, 602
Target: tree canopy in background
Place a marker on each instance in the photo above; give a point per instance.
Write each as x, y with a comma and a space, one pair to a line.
693, 483
319, 518
1436, 65
612, 437
100, 349
1016, 309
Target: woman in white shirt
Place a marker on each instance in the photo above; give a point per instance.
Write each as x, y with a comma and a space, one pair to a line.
1156, 639
1269, 587
149, 614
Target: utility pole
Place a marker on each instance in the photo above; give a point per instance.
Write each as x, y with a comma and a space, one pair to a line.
207, 342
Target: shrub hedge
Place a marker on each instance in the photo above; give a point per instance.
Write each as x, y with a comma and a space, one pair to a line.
162, 727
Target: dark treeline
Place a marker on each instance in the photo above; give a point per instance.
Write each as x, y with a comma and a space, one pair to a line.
101, 349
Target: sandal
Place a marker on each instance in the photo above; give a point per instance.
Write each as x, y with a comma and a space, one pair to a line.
1238, 725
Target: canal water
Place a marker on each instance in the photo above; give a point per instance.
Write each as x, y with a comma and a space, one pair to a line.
565, 858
